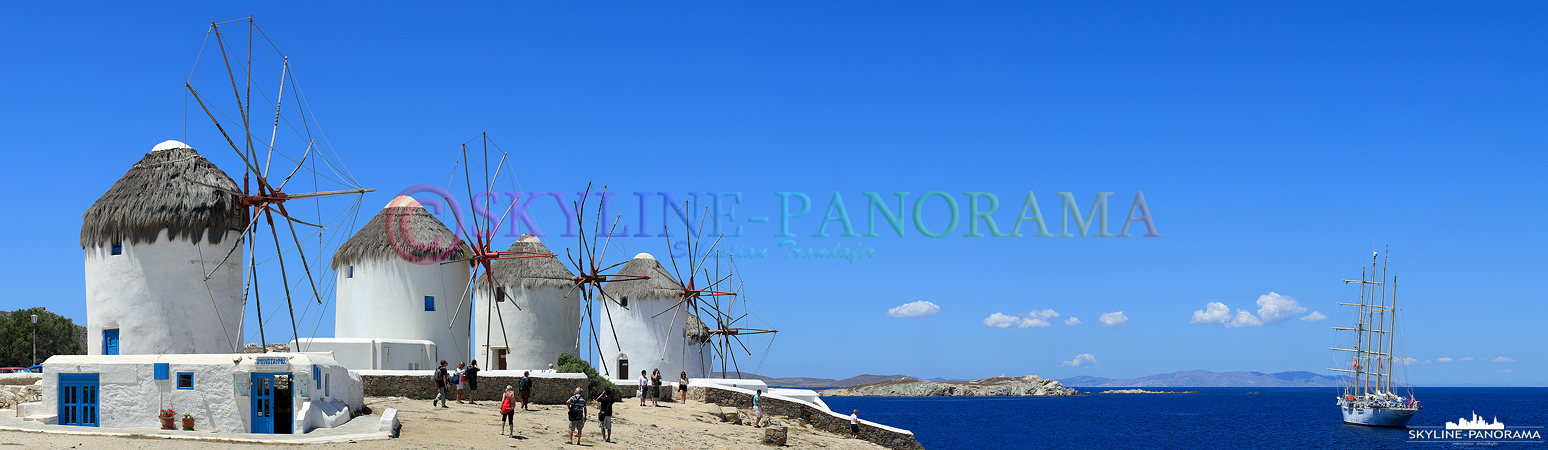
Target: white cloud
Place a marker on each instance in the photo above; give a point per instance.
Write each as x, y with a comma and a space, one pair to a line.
1467, 359
916, 309
1083, 359
1274, 308
1444, 359
1114, 319
1505, 370
1408, 361
1314, 316
1503, 359
1214, 312
1034, 319
1072, 321
998, 320
1244, 319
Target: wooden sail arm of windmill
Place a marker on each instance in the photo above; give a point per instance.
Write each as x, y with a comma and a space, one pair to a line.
741, 331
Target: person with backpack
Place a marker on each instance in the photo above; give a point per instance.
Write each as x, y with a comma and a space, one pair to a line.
456, 380
440, 379
508, 411
655, 388
577, 404
524, 386
605, 415
470, 377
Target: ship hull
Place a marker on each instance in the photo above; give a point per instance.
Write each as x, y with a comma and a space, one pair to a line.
1377, 417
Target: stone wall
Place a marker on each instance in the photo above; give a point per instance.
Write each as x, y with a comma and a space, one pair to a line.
548, 389
816, 417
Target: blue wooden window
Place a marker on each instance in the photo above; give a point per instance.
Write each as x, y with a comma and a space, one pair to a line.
118, 248
185, 380
429, 303
78, 399
316, 376
500, 294
110, 341
162, 371
351, 272
327, 387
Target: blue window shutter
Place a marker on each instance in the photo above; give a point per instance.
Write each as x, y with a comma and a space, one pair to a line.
316, 376
162, 371
429, 303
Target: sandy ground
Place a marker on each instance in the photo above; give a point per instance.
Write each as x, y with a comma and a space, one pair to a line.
671, 426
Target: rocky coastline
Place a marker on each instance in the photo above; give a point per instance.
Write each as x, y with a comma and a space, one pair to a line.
1027, 386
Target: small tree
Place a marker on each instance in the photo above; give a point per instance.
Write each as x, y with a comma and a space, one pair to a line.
57, 335
594, 383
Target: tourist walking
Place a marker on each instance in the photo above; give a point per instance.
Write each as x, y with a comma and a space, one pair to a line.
456, 379
470, 377
655, 388
524, 385
758, 409
577, 404
605, 415
643, 382
508, 411
682, 387
440, 385
854, 424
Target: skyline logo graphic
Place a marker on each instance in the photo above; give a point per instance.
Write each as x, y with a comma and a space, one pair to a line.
1476, 431
1476, 424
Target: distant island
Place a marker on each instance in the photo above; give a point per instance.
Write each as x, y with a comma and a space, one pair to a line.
1142, 391
1205, 378
807, 382
1030, 385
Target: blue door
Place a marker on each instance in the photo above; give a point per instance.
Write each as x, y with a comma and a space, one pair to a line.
263, 403
271, 403
78, 399
110, 342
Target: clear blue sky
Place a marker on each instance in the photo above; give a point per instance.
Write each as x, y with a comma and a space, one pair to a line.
1276, 146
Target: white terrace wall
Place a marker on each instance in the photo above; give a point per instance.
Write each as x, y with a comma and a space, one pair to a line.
373, 354
817, 417
156, 295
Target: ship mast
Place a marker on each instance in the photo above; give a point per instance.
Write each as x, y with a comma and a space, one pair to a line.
1365, 332
1382, 321
1392, 337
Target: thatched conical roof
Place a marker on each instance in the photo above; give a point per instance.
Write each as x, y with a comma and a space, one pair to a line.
159, 192
382, 238
660, 284
530, 273
696, 331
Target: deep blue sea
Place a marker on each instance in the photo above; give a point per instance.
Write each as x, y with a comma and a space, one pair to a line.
1218, 418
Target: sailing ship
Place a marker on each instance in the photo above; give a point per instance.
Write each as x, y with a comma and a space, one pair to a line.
1368, 398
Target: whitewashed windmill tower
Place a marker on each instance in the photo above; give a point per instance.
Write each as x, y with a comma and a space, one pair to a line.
392, 283
534, 314
164, 260
639, 334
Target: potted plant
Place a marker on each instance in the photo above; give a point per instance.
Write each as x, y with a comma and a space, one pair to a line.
166, 417
188, 422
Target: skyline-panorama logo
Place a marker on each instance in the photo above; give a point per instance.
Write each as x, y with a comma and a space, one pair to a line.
1477, 431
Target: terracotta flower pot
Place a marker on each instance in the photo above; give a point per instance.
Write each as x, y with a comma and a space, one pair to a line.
188, 423
166, 424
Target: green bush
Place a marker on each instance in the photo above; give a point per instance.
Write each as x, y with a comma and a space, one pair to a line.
57, 335
595, 384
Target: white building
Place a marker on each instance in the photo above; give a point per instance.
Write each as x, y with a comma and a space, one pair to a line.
280, 393
535, 315
164, 258
393, 291
635, 340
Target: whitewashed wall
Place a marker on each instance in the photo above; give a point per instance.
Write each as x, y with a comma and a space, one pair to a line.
372, 353
545, 326
650, 343
156, 295
130, 396
386, 300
